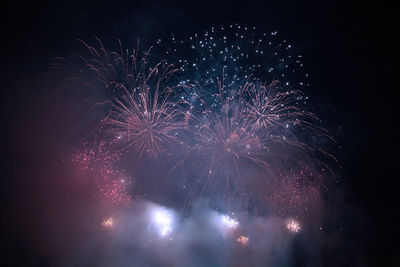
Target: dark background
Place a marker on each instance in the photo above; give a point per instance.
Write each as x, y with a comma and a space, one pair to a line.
350, 51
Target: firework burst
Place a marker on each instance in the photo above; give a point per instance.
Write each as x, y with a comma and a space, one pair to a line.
141, 114
142, 117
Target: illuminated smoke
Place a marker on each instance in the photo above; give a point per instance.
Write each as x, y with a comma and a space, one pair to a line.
162, 219
229, 222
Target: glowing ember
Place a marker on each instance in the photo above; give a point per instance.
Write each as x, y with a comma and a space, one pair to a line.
243, 240
108, 223
293, 226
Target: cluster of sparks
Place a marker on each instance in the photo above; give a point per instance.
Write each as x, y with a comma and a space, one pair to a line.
229, 222
293, 226
163, 221
294, 191
225, 109
112, 186
108, 223
243, 240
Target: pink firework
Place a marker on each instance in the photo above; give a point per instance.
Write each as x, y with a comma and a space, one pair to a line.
111, 184
295, 192
142, 116
230, 136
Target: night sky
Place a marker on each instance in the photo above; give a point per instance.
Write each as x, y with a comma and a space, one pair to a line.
349, 49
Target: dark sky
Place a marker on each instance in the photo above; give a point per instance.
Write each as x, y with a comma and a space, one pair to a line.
350, 51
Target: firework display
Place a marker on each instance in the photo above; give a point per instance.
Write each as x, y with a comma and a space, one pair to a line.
224, 110
195, 133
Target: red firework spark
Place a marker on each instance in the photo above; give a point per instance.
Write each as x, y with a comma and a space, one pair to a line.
111, 184
294, 192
